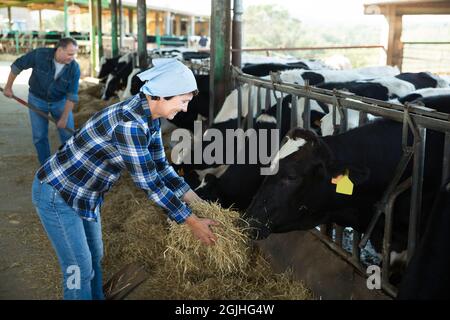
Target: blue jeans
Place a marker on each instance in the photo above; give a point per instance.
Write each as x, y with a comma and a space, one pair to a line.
39, 125
77, 242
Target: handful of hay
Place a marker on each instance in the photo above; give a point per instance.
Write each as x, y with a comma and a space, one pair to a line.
229, 255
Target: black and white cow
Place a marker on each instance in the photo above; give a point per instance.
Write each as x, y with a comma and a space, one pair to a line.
406, 85
316, 77
301, 195
117, 79
237, 185
391, 87
424, 93
264, 69
427, 275
107, 65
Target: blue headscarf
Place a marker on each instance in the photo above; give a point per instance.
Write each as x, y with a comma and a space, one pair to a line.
168, 77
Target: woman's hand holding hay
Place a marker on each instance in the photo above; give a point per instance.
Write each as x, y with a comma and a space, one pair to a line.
201, 230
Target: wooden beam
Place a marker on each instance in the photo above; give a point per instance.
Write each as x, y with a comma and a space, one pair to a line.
395, 46
219, 82
142, 33
442, 7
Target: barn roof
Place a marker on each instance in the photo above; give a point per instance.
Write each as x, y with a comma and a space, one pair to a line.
407, 7
189, 8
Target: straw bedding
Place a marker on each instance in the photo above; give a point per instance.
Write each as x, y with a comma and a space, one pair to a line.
180, 267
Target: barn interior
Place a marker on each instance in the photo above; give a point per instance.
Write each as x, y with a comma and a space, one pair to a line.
374, 240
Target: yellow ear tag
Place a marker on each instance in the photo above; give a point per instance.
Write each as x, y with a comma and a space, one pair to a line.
344, 185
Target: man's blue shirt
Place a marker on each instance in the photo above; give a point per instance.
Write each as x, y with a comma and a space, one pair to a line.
42, 81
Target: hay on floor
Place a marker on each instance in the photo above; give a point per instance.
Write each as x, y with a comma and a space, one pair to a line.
136, 230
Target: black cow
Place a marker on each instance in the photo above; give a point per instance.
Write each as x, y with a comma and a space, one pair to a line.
301, 196
427, 275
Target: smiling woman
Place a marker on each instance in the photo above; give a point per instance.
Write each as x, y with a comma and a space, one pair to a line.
68, 189
168, 107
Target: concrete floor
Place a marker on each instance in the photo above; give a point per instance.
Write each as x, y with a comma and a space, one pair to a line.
25, 254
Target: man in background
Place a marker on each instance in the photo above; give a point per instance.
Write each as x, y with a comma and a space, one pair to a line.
53, 89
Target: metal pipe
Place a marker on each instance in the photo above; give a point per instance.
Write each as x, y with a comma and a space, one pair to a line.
307, 115
66, 19
99, 29
433, 120
168, 24
41, 24
114, 46
142, 33
416, 192
239, 113
267, 101
130, 20
120, 25
220, 55
238, 10
356, 251
387, 238
92, 37
446, 161
279, 112
294, 111
10, 23
250, 109
339, 235
376, 46
258, 100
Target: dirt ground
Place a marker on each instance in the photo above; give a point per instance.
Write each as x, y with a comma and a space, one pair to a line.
26, 258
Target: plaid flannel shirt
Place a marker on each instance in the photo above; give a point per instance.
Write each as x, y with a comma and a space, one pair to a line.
122, 136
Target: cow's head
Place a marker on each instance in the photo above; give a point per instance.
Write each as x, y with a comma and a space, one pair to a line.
299, 195
111, 86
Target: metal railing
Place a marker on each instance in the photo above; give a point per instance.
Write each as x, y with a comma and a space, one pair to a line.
429, 55
413, 118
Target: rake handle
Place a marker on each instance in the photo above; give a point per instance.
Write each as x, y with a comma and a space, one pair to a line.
39, 112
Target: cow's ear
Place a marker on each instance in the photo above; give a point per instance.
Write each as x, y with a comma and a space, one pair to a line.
358, 174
